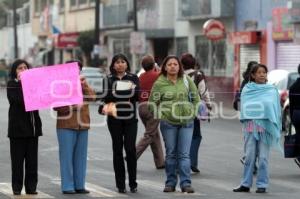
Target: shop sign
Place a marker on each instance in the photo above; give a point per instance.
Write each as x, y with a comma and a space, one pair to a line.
67, 40
244, 37
214, 29
282, 28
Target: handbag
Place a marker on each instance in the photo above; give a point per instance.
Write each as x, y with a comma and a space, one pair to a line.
291, 145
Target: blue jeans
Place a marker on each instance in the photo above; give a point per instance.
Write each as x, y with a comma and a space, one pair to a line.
177, 140
195, 145
256, 149
72, 157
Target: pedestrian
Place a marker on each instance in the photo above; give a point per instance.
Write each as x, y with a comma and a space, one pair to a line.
174, 100
189, 63
24, 129
261, 119
151, 136
72, 125
237, 99
123, 93
294, 97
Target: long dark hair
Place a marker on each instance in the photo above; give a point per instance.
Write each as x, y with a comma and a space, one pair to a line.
113, 61
254, 70
164, 64
246, 73
14, 66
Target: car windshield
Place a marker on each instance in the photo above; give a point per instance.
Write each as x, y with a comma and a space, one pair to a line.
292, 78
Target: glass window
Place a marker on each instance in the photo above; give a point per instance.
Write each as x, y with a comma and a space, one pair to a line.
82, 2
44, 4
202, 52
219, 55
181, 45
61, 5
73, 3
37, 6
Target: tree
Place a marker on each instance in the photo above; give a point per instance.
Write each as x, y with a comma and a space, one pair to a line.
86, 43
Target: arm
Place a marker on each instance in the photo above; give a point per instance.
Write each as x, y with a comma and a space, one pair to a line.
155, 97
203, 92
14, 93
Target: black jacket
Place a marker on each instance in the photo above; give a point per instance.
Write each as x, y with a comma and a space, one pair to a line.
21, 124
126, 100
294, 97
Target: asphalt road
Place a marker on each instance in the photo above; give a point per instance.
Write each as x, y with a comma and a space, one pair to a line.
221, 170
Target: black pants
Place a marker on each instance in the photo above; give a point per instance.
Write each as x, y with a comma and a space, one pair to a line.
24, 149
123, 133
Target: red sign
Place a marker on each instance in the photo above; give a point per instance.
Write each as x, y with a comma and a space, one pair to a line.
67, 40
214, 29
282, 28
244, 37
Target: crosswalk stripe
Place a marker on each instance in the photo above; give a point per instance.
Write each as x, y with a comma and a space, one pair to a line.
97, 191
5, 188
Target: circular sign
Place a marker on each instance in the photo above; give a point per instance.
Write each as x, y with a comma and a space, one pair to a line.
214, 29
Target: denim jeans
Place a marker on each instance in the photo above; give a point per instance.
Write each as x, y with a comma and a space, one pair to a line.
73, 158
195, 145
177, 140
256, 149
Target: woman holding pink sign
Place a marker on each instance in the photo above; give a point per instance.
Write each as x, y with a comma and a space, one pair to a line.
73, 123
24, 128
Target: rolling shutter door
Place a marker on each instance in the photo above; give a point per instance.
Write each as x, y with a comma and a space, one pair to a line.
288, 56
248, 53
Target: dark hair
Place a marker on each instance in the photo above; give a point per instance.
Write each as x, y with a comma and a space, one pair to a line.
187, 61
77, 61
246, 73
164, 64
299, 69
148, 62
14, 66
113, 61
254, 70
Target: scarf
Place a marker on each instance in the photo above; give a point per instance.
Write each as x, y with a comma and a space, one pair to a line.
260, 103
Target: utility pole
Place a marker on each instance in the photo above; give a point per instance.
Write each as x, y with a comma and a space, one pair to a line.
135, 29
97, 34
15, 29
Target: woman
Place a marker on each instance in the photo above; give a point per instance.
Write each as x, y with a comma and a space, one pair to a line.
72, 127
24, 129
189, 63
171, 103
122, 90
261, 118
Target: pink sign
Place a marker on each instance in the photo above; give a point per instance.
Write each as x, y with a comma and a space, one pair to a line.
51, 86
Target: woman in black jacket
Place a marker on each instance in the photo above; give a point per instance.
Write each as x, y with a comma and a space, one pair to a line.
24, 128
122, 126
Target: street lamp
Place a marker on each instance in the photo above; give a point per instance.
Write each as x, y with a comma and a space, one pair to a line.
15, 29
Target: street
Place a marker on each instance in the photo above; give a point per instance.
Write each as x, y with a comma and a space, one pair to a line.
220, 151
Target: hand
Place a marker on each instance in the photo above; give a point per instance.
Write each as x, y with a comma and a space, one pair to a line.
83, 81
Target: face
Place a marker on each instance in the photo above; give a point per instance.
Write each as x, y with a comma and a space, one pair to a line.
260, 77
172, 67
22, 67
120, 66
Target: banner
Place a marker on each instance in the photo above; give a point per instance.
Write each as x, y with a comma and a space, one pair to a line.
51, 86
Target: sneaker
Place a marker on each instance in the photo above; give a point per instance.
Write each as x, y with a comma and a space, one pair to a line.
187, 189
82, 191
297, 161
169, 189
241, 189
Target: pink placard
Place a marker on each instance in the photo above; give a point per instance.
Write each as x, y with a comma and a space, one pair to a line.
51, 86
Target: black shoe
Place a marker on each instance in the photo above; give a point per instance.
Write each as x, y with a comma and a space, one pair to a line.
195, 169
243, 160
17, 193
133, 190
297, 161
187, 189
31, 192
69, 192
122, 190
169, 189
241, 189
82, 191
261, 190
161, 167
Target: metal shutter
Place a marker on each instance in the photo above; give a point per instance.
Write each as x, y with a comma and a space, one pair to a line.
248, 53
288, 56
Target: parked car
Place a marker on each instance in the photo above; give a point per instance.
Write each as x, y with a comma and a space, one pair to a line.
283, 80
94, 78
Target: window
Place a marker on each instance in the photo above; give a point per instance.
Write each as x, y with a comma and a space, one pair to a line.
40, 5
61, 5
181, 45
78, 4
211, 56
122, 46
